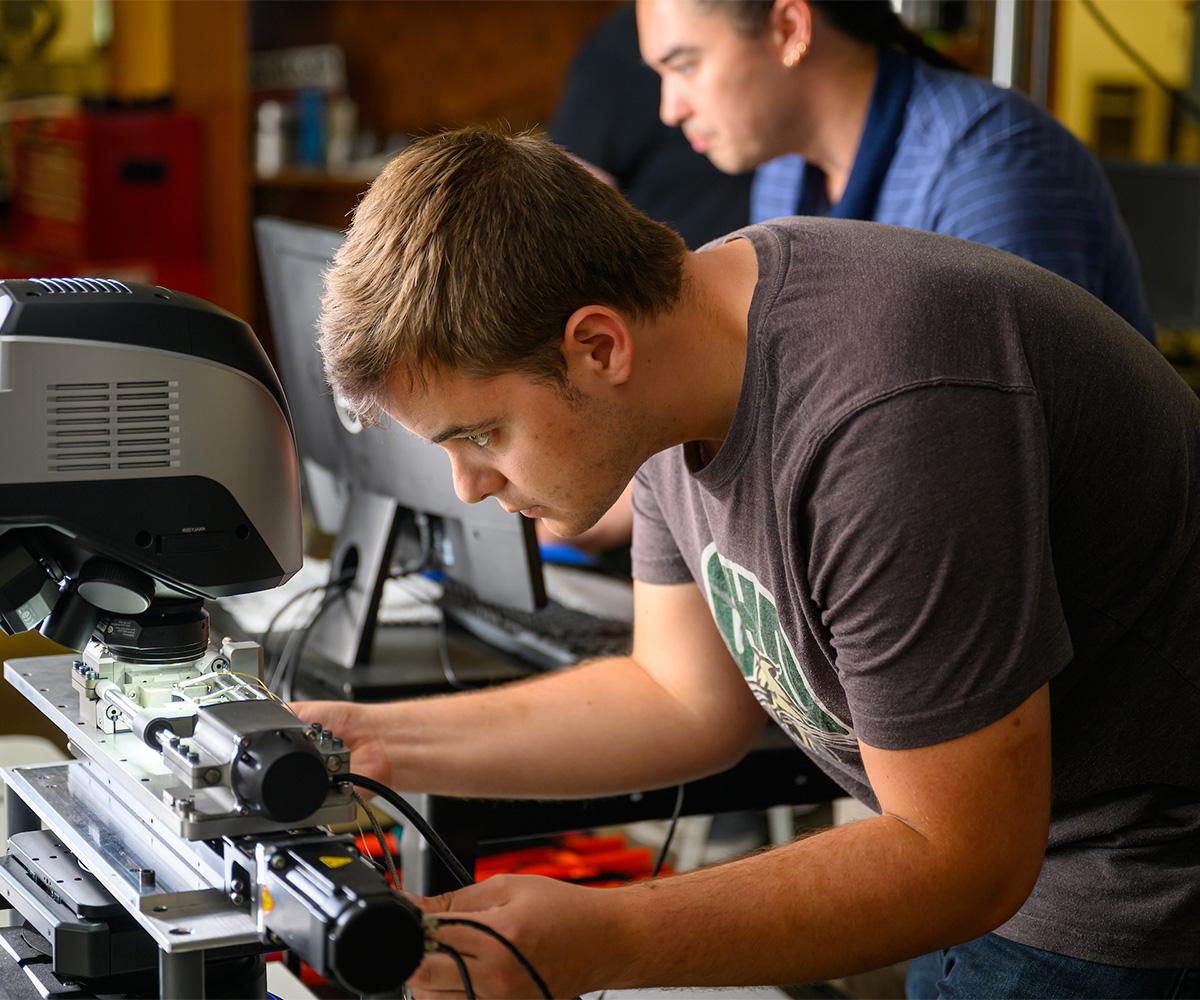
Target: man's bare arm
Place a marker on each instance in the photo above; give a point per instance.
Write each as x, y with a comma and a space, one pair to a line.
676, 709
955, 853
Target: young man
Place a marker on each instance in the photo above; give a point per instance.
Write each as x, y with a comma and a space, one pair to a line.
845, 112
929, 508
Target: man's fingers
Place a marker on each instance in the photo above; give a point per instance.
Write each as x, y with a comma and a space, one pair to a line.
438, 976
434, 905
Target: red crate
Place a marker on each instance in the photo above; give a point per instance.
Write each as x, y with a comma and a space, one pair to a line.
109, 185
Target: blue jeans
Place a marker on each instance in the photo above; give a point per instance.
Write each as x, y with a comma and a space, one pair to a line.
992, 966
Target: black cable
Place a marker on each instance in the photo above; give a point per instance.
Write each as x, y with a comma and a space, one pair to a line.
444, 656
1176, 95
666, 844
385, 848
265, 640
294, 650
457, 959
445, 855
512, 948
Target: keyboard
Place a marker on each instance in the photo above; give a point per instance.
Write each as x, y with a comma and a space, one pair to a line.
551, 637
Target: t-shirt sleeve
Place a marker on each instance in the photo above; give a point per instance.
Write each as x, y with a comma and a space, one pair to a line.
655, 555
926, 522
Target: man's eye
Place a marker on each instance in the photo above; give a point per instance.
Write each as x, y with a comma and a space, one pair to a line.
684, 69
480, 439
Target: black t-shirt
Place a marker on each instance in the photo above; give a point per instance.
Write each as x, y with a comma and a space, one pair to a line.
608, 116
951, 478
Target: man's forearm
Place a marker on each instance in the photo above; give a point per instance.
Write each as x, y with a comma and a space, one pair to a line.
601, 728
846, 900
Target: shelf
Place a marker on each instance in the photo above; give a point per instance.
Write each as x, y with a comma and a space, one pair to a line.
312, 180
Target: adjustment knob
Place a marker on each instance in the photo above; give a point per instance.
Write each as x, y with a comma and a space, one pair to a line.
115, 588
282, 774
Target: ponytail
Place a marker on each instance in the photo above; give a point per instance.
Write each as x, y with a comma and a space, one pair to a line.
872, 21
877, 23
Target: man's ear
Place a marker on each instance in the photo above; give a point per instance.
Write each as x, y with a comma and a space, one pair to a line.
791, 25
597, 344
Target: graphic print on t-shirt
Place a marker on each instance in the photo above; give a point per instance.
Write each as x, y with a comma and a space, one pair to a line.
748, 619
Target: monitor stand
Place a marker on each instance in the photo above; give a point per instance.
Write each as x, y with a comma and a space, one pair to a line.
349, 656
345, 633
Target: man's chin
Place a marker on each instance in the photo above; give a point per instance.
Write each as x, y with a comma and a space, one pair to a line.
566, 528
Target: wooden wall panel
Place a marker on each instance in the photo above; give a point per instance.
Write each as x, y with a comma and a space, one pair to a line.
210, 54
426, 65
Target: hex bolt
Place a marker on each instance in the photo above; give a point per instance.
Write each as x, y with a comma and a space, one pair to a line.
193, 758
337, 743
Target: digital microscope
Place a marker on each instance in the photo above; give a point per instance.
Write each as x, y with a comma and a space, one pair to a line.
147, 463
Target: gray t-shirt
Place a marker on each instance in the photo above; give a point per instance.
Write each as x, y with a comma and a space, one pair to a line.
952, 477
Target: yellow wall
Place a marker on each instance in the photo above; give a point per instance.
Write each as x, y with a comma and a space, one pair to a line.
1159, 30
140, 57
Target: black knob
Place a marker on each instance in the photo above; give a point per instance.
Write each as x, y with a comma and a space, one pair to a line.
115, 588
282, 775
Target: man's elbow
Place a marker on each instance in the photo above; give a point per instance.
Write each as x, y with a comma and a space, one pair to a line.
1002, 889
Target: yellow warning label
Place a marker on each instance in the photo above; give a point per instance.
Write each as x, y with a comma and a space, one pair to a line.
268, 904
334, 862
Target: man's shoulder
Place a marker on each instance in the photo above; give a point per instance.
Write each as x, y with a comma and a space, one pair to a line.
957, 110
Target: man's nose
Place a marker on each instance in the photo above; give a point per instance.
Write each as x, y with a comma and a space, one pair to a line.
474, 482
672, 108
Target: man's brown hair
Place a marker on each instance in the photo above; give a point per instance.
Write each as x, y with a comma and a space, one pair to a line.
468, 255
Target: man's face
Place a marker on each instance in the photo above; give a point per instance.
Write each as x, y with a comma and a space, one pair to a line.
528, 445
726, 92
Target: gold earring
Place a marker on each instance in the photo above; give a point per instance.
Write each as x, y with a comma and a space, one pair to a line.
792, 59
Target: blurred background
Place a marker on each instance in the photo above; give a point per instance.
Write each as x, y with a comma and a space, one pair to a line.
140, 138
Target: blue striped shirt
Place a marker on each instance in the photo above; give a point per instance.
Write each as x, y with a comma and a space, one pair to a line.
982, 163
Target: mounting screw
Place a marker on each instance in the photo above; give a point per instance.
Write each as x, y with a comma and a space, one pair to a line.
310, 735
193, 757
333, 763
212, 776
238, 885
278, 862
244, 743
243, 810
236, 898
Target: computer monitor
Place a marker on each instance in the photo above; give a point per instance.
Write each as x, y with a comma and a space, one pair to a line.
389, 484
293, 260
1160, 203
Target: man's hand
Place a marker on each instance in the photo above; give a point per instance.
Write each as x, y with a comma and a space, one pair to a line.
558, 927
362, 729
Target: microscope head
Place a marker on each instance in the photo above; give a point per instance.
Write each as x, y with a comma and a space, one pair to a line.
148, 462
